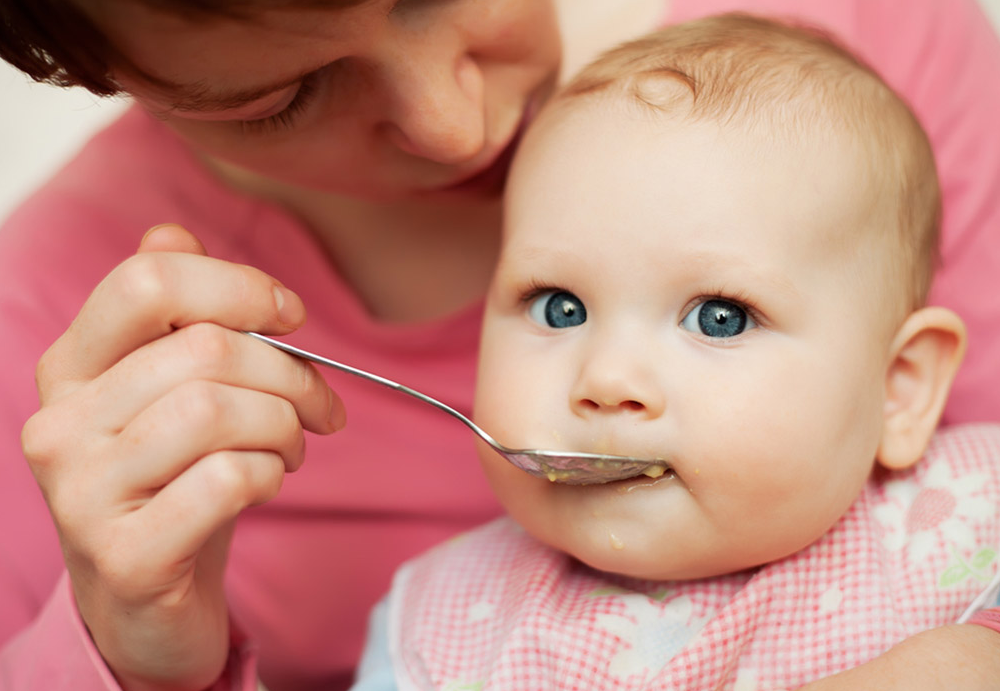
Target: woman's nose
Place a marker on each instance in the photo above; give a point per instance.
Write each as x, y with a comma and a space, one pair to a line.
437, 109
618, 381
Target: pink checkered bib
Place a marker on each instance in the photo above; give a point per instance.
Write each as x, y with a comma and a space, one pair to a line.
495, 609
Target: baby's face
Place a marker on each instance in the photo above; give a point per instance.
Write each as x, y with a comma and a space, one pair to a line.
675, 290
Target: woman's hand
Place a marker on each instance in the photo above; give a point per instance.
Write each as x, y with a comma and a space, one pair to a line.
159, 424
962, 656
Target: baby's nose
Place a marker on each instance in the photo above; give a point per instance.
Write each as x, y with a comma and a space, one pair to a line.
620, 384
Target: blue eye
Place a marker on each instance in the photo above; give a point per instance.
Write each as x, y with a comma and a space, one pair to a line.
557, 309
718, 318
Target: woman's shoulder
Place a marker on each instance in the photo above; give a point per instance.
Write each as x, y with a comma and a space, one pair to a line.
91, 214
135, 171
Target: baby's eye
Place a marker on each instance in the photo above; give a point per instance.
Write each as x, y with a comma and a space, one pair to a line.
557, 309
718, 318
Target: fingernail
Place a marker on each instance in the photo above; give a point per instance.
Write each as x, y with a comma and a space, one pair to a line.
288, 307
154, 229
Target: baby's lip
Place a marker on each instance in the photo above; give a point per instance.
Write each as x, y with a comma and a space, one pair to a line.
658, 469
623, 445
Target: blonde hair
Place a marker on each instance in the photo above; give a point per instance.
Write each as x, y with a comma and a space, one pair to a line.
755, 72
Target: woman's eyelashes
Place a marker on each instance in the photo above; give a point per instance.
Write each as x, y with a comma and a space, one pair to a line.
558, 309
287, 116
718, 318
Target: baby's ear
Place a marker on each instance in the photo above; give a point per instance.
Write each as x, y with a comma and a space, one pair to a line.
924, 357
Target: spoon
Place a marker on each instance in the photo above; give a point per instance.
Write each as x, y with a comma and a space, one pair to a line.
570, 467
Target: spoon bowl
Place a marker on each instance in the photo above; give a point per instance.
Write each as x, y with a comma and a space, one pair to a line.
569, 467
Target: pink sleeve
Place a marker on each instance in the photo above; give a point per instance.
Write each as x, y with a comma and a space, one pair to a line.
990, 618
44, 645
944, 58
55, 652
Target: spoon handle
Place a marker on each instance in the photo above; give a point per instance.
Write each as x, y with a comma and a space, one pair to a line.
389, 383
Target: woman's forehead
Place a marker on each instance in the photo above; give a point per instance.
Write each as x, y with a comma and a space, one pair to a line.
206, 9
230, 57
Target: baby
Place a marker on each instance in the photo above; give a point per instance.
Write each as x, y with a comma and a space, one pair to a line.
717, 248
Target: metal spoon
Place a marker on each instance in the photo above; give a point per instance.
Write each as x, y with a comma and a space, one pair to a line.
570, 467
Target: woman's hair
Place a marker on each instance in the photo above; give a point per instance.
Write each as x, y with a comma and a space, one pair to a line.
789, 82
56, 42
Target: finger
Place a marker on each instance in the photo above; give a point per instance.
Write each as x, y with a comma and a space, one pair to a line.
153, 293
170, 237
185, 514
210, 353
197, 419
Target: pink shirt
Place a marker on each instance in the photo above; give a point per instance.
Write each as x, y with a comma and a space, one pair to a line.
306, 567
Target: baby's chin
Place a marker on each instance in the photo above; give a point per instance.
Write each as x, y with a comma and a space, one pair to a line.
655, 555
616, 557
643, 547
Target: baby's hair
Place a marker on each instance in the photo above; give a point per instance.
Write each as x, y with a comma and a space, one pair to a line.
742, 70
54, 41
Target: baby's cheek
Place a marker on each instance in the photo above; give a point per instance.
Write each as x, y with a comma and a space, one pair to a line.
785, 510
754, 492
526, 500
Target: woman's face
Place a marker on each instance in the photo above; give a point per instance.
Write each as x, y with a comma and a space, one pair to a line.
386, 100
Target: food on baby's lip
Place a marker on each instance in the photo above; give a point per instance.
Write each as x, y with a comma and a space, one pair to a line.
616, 542
559, 475
655, 471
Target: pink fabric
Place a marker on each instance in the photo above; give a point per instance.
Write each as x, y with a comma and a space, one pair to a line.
68, 634
306, 568
496, 610
990, 618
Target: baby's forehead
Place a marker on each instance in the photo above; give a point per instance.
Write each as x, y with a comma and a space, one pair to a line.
580, 126
588, 149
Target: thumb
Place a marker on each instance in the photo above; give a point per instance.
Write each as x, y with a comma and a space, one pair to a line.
170, 237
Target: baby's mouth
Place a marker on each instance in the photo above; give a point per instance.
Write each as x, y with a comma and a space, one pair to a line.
603, 463
649, 477
655, 471
599, 475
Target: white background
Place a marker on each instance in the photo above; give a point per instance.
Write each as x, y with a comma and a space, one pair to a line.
41, 126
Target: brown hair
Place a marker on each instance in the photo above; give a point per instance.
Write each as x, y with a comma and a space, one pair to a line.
738, 68
54, 41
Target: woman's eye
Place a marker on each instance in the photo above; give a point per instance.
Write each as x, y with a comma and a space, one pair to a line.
286, 118
557, 309
717, 318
